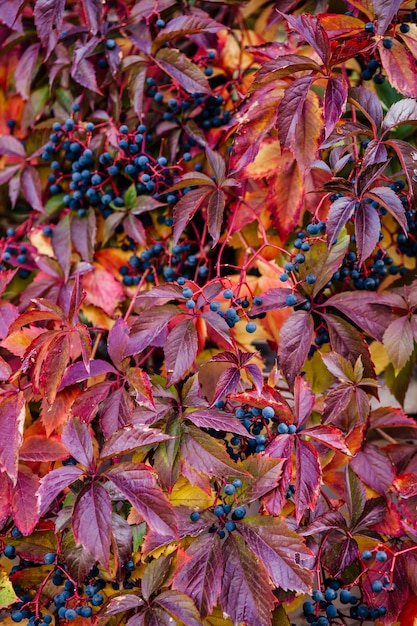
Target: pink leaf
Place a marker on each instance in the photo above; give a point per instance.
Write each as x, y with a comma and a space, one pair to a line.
91, 519
227, 383
295, 340
340, 212
180, 350
334, 102
24, 500
53, 483
31, 187
246, 595
148, 327
180, 606
201, 575
11, 146
139, 486
8, 314
185, 209
374, 468
83, 233
329, 436
38, 449
399, 341
77, 439
219, 420
103, 290
385, 10
93, 11
117, 341
308, 478
48, 20
304, 400
12, 417
130, 438
5, 498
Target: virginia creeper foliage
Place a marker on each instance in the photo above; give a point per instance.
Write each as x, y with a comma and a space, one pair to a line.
207, 272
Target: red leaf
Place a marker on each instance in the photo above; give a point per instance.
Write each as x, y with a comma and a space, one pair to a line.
374, 468
48, 20
149, 326
246, 595
182, 70
186, 25
389, 417
77, 439
136, 85
24, 500
87, 403
53, 365
215, 208
12, 417
329, 436
141, 383
8, 314
285, 205
310, 28
201, 576
37, 448
227, 383
93, 11
53, 483
349, 343
219, 420
91, 521
139, 486
77, 371
180, 350
290, 110
24, 72
334, 102
307, 479
31, 187
284, 65
295, 340
62, 245
281, 550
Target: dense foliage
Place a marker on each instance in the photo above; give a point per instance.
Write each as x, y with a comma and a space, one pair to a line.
186, 189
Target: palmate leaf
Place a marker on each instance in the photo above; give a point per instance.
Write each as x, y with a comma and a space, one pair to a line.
48, 21
246, 594
24, 501
131, 438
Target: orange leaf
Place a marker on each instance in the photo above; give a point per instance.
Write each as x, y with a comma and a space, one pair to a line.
308, 131
55, 415
141, 383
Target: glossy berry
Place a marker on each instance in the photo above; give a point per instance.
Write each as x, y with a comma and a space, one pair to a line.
49, 558
229, 490
228, 294
268, 412
330, 595
237, 483
70, 614
16, 616
230, 526
97, 599
292, 429
366, 555
239, 512
110, 44
218, 510
377, 586
250, 327
331, 611
345, 596
195, 516
290, 300
283, 428
381, 556
10, 552
187, 292
369, 27
387, 43
160, 23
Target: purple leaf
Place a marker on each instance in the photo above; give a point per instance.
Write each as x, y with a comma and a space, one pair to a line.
219, 420
182, 70
329, 436
304, 400
266, 473
340, 212
185, 209
25, 70
24, 500
367, 230
76, 557
368, 175
134, 229
77, 439
389, 199
402, 112
256, 376
86, 404
207, 455
8, 172
186, 25
83, 233
180, 350
116, 411
313, 32
155, 575
369, 103
12, 417
77, 372
5, 489
308, 478
370, 311
217, 324
82, 69
349, 343
91, 521
136, 85
48, 21
275, 299
9, 14
53, 483
385, 10
180, 606
295, 340
138, 484
227, 383
399, 341
11, 146
201, 576
148, 326
130, 438
93, 10
122, 540
31, 187
374, 468
123, 602
355, 494
117, 341
282, 66
215, 208
8, 314
246, 595
62, 244
323, 523
375, 152
334, 102
281, 550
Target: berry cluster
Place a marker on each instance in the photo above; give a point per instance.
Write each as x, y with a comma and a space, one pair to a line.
227, 510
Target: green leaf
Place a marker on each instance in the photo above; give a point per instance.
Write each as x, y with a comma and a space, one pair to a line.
7, 594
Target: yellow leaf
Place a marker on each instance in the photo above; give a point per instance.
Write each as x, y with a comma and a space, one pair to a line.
7, 594
189, 495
